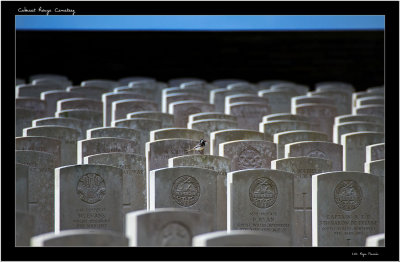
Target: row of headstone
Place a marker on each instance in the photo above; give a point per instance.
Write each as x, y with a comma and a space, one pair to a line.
279, 200
274, 147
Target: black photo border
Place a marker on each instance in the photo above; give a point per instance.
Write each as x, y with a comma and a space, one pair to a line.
389, 253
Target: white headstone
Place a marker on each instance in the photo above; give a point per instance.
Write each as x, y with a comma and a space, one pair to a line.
218, 137
88, 197
249, 114
345, 208
185, 187
260, 200
166, 227
243, 238
325, 150
101, 145
134, 177
248, 154
216, 163
40, 187
303, 169
80, 238
67, 136
354, 148
287, 137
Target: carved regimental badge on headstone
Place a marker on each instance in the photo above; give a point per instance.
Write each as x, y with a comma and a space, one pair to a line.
317, 153
91, 188
348, 195
185, 191
175, 234
249, 158
263, 192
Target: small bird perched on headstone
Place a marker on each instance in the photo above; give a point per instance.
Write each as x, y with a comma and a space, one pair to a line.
199, 147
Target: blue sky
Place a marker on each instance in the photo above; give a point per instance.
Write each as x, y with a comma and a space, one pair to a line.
200, 22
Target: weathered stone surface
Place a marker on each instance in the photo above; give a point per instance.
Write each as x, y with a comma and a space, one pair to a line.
93, 92
51, 97
211, 125
287, 137
278, 101
266, 84
117, 132
61, 121
23, 119
372, 100
377, 167
248, 154
159, 151
40, 187
345, 208
325, 150
351, 127
100, 145
121, 108
133, 180
88, 197
303, 169
167, 133
180, 80
249, 114
321, 117
284, 116
185, 187
90, 119
211, 115
342, 98
24, 228
375, 110
144, 125
199, 87
363, 94
290, 87
67, 136
80, 238
29, 90
34, 104
240, 238
241, 87
276, 126
182, 109
128, 79
223, 83
240, 97
109, 98
167, 120
375, 152
334, 86
41, 144
361, 118
166, 227
79, 103
301, 100
49, 81
260, 200
103, 83
354, 148
216, 163
180, 96
48, 76
218, 137
217, 97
